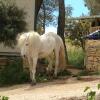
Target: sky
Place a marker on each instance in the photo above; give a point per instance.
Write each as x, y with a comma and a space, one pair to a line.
78, 7
78, 10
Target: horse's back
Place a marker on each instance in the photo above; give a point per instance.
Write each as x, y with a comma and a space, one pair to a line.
49, 42
34, 38
47, 45
58, 40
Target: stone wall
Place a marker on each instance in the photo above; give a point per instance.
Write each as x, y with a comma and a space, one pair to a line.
92, 58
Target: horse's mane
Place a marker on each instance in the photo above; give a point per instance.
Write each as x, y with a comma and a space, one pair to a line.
25, 35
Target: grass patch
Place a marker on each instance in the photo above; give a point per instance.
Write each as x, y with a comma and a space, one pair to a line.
14, 73
83, 73
64, 73
46, 78
75, 56
42, 78
4, 98
86, 73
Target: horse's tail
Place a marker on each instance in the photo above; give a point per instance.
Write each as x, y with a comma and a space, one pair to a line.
62, 60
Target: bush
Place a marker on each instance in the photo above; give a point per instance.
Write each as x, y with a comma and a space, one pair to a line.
76, 56
83, 73
64, 73
86, 73
12, 22
4, 98
91, 94
13, 73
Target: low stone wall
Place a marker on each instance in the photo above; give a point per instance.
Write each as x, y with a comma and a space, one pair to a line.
92, 58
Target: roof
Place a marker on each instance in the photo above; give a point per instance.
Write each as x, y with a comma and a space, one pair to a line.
85, 17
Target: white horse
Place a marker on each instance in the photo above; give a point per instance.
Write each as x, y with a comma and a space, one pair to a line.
34, 46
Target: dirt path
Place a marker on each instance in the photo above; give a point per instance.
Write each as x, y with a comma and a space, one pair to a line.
51, 90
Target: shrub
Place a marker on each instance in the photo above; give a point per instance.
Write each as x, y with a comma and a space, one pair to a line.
76, 56
86, 73
12, 22
42, 77
3, 98
91, 94
13, 73
83, 73
64, 73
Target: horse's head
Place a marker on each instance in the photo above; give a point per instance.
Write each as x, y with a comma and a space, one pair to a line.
22, 43
27, 42
23, 51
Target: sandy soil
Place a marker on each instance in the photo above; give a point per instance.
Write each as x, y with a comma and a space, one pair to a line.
56, 90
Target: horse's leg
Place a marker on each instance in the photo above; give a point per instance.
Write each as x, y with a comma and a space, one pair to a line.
56, 62
50, 67
49, 58
34, 69
30, 66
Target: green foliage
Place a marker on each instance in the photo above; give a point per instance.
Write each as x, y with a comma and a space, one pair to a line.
49, 77
4, 98
12, 22
76, 57
64, 73
98, 86
13, 73
78, 77
46, 15
86, 88
91, 95
83, 73
68, 11
93, 6
86, 73
76, 31
42, 77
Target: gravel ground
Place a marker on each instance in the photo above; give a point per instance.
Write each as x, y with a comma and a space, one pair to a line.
63, 89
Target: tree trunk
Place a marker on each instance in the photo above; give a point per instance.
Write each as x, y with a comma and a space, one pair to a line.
61, 24
44, 11
37, 8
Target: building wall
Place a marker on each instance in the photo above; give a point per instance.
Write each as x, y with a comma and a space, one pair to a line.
29, 7
8, 49
92, 59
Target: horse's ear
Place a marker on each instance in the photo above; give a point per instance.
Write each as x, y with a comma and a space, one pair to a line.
18, 36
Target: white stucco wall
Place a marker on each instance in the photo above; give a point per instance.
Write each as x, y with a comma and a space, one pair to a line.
8, 49
29, 7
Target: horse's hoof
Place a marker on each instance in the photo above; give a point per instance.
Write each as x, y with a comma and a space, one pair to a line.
33, 83
55, 77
